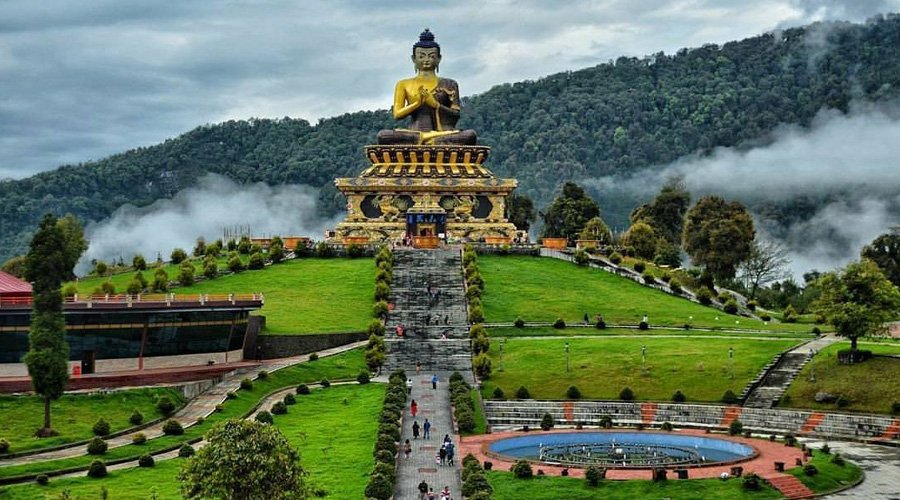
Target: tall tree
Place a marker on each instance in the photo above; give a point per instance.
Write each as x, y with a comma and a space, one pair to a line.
665, 214
718, 235
76, 244
642, 239
767, 262
47, 264
520, 211
858, 301
569, 212
596, 229
885, 252
244, 460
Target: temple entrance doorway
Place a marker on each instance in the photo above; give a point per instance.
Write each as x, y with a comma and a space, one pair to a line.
425, 229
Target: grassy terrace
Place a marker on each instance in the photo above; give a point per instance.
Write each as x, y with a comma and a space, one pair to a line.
580, 331
601, 368
830, 476
880, 389
327, 449
508, 487
543, 289
341, 366
74, 415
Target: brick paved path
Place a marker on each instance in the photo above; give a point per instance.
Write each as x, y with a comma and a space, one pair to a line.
435, 406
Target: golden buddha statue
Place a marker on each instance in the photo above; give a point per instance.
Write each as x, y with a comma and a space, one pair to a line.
431, 102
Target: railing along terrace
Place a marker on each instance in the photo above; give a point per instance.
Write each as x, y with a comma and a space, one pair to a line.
147, 299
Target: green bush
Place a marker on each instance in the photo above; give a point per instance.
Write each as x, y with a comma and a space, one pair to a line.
325, 383
384, 456
729, 398
186, 451
477, 330
379, 487
751, 305
826, 449
363, 377
573, 393
810, 470
482, 365
42, 479
627, 394
262, 375
704, 296
522, 393
97, 446
146, 461
522, 469
838, 460
476, 314
380, 309
303, 389
480, 344
616, 258
581, 257
765, 317
382, 291
519, 323
172, 428
675, 286
730, 306
138, 438
559, 324
246, 384
735, 427
101, 428
186, 273
639, 266
751, 482
895, 408
165, 406
376, 327
648, 277
547, 422
265, 417
789, 315
593, 475
678, 397
498, 393
136, 418
97, 469
465, 418
313, 356
279, 408
666, 426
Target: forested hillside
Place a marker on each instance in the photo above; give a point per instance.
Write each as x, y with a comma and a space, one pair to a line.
609, 119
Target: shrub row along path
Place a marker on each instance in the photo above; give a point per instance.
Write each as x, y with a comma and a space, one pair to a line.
434, 404
201, 406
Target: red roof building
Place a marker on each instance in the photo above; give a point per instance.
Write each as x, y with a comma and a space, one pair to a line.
13, 289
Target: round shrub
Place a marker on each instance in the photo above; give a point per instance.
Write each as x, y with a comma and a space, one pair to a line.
218, 408
522, 393
895, 408
136, 418
639, 266
465, 419
379, 487
616, 258
313, 357
547, 422
186, 451
289, 399
42, 479
392, 430
146, 461
97, 469
325, 383
751, 482
384, 456
4, 446
172, 428
262, 375
765, 317
606, 422
627, 394
139, 438
730, 306
751, 304
498, 393
704, 296
648, 278
729, 398
838, 460
666, 426
522, 469
380, 309
246, 384
165, 406
363, 377
678, 397
482, 365
581, 257
101, 428
264, 417
376, 327
231, 395
386, 442
476, 314
573, 393
279, 408
519, 323
97, 446
810, 470
302, 389
559, 324
675, 286
666, 277
593, 476
735, 427
826, 449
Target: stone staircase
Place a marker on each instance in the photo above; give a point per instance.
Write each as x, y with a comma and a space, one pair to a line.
436, 326
776, 380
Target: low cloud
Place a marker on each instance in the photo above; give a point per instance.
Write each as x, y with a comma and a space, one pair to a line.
206, 210
823, 191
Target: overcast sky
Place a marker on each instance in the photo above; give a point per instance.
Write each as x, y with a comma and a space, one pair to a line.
80, 80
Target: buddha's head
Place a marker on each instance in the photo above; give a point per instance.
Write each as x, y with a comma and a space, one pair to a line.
426, 53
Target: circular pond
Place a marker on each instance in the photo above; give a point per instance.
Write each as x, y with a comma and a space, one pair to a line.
622, 449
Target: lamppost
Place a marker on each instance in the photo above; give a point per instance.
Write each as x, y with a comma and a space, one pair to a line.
502, 341
567, 357
812, 366
643, 357
731, 361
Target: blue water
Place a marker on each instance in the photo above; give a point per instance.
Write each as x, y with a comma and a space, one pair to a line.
713, 450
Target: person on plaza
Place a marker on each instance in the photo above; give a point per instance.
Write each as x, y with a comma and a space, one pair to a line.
426, 429
434, 381
415, 429
414, 408
409, 386
587, 320
451, 451
431, 494
446, 438
423, 490
418, 367
442, 454
445, 493
407, 448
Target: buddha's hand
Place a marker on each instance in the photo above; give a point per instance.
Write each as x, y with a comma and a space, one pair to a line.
428, 98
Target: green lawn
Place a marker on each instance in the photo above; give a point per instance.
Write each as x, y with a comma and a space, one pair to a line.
830, 476
306, 295
543, 289
601, 368
74, 415
508, 487
318, 425
579, 331
871, 386
334, 430
341, 366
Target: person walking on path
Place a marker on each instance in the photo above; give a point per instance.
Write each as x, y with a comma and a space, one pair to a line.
423, 490
445, 493
426, 429
407, 449
409, 386
443, 454
418, 367
446, 439
450, 452
415, 428
414, 408
434, 381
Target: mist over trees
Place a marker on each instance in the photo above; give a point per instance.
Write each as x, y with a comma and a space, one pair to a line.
609, 119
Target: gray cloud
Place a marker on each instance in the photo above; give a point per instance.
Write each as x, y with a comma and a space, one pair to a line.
83, 80
206, 210
845, 165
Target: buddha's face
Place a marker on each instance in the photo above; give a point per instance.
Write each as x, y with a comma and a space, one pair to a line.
426, 59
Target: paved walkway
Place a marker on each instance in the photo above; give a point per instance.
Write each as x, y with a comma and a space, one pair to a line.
201, 406
880, 463
435, 406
